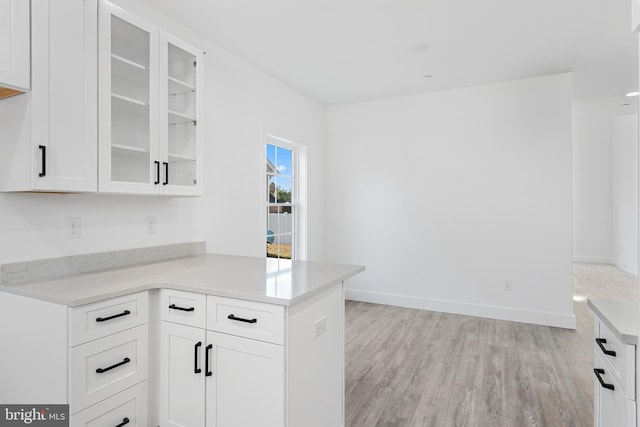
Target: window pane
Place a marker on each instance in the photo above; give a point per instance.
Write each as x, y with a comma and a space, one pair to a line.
271, 159
271, 189
283, 161
283, 189
273, 220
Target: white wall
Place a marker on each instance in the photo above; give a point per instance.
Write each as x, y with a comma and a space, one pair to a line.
240, 99
478, 183
625, 193
592, 182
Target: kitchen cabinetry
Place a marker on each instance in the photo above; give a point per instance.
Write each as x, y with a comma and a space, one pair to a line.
96, 357
150, 85
230, 370
239, 381
615, 379
48, 140
14, 51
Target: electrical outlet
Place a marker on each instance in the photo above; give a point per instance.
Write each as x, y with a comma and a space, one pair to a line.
150, 222
73, 227
508, 285
321, 326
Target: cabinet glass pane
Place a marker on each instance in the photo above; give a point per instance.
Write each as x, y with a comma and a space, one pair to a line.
182, 135
130, 117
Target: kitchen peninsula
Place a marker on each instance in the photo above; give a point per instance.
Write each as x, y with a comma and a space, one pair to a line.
203, 340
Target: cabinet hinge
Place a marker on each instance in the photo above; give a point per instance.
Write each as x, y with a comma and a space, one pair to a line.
195, 63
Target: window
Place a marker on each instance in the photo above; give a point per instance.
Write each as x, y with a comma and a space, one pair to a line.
281, 199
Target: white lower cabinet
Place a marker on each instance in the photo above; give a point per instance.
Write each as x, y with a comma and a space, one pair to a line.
182, 375
205, 361
614, 380
252, 363
128, 407
213, 379
246, 386
93, 357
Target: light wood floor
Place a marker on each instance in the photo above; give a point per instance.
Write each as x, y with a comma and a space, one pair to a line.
408, 367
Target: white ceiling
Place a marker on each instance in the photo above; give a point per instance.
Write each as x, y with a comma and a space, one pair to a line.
344, 51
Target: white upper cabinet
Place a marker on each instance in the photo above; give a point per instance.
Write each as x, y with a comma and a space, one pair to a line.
148, 84
180, 88
14, 46
48, 137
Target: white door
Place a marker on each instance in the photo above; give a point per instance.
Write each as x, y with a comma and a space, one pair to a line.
14, 44
64, 96
246, 386
128, 103
182, 374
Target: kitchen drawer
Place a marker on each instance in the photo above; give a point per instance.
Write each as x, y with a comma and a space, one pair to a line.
186, 308
612, 406
622, 365
92, 321
101, 368
249, 319
130, 404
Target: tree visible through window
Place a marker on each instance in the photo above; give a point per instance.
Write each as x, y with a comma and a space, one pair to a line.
280, 202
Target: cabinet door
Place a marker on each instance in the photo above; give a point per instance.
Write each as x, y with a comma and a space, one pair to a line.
64, 95
182, 370
14, 45
180, 140
246, 386
128, 113
611, 407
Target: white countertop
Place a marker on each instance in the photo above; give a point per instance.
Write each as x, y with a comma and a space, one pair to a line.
621, 317
270, 280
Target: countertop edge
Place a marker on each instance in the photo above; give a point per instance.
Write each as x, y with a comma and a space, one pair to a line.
18, 290
626, 338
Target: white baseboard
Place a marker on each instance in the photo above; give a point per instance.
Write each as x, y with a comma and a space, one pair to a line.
631, 269
477, 310
592, 259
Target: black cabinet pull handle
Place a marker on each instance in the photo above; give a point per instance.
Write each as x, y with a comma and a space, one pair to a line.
124, 422
157, 181
240, 319
125, 361
601, 341
175, 307
207, 373
196, 370
166, 173
43, 156
598, 372
104, 319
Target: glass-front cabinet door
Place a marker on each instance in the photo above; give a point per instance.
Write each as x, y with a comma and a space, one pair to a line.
181, 88
150, 87
128, 103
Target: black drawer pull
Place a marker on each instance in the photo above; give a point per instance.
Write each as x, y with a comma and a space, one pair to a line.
157, 181
598, 372
104, 319
125, 361
175, 307
166, 173
196, 369
601, 341
207, 373
43, 160
124, 422
240, 319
